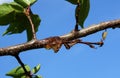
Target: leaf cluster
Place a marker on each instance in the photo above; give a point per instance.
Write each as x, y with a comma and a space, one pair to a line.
18, 72
13, 14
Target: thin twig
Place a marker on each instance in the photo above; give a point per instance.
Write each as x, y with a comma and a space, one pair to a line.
91, 44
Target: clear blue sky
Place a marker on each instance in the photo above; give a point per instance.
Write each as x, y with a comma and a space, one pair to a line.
80, 61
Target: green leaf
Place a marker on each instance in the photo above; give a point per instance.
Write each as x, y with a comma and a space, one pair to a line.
22, 23
36, 69
17, 7
13, 14
18, 72
23, 77
19, 24
8, 11
25, 3
6, 14
83, 12
5, 9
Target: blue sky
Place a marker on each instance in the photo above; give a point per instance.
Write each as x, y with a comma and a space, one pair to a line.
80, 61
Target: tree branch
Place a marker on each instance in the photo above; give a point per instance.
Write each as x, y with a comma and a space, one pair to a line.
92, 29
34, 44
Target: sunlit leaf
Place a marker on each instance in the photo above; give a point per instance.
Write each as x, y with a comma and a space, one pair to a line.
36, 69
18, 72
23, 77
5, 9
25, 3
6, 14
17, 7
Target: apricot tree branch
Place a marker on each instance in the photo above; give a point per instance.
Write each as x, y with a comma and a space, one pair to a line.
92, 29
34, 44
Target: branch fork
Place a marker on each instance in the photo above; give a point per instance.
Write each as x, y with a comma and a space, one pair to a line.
56, 42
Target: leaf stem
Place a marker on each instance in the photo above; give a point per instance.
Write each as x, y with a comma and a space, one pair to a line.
32, 26
28, 13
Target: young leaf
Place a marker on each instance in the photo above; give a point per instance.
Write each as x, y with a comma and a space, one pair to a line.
6, 14
36, 69
83, 10
18, 72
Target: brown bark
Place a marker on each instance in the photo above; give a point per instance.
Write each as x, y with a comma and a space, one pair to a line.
51, 41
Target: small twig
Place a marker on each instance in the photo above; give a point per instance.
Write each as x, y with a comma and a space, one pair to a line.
28, 12
91, 44
69, 44
23, 66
